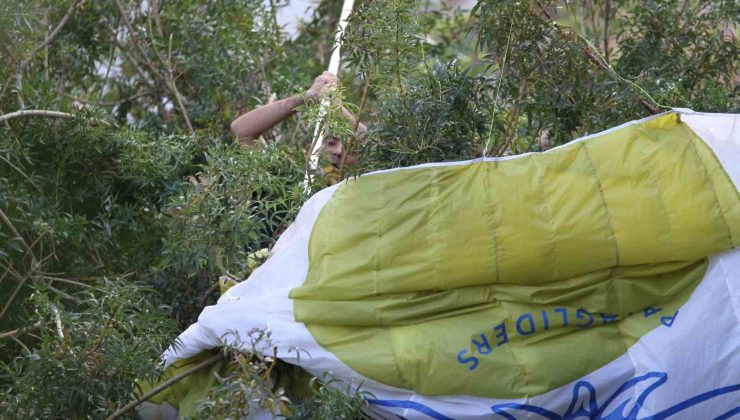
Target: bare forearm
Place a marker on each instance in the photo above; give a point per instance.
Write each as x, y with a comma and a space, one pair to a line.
249, 126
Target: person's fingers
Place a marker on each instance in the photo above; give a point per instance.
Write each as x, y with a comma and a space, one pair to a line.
328, 86
324, 84
329, 79
330, 76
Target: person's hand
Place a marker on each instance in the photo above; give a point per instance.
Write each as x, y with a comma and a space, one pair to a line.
322, 86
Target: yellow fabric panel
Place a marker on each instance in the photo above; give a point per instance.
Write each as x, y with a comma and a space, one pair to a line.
185, 394
188, 393
413, 274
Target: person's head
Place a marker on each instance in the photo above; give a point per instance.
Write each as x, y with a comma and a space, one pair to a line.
333, 149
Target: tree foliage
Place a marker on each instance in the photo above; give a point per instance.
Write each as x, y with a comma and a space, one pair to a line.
118, 216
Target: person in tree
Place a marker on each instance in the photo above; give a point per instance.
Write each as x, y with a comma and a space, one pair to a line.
251, 125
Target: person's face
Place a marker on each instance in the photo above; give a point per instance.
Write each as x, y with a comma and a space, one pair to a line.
334, 150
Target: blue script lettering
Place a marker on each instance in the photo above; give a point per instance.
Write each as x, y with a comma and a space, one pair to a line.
607, 318
483, 346
580, 315
668, 320
529, 318
564, 312
546, 320
465, 360
650, 311
500, 331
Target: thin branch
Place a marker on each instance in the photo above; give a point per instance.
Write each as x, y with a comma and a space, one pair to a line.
21, 280
104, 333
2, 94
513, 119
134, 61
24, 63
63, 294
166, 384
12, 296
47, 22
17, 169
607, 12
170, 80
20, 343
135, 38
35, 113
11, 333
12, 228
68, 281
356, 125
593, 54
59, 26
5, 85
17, 331
499, 82
7, 124
154, 11
4, 275
110, 62
15, 275
211, 290
180, 105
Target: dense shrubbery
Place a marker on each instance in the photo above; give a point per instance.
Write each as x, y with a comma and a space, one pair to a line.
116, 224
84, 361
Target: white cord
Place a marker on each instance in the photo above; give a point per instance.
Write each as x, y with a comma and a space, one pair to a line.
317, 143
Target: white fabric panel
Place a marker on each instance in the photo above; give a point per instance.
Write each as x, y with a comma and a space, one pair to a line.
722, 133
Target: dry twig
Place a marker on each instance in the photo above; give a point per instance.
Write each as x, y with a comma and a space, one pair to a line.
166, 384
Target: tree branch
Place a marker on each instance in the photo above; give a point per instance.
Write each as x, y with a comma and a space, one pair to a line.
35, 113
166, 384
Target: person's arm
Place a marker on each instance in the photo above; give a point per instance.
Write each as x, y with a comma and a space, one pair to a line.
252, 124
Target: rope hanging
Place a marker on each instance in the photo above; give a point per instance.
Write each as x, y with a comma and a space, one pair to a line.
317, 143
